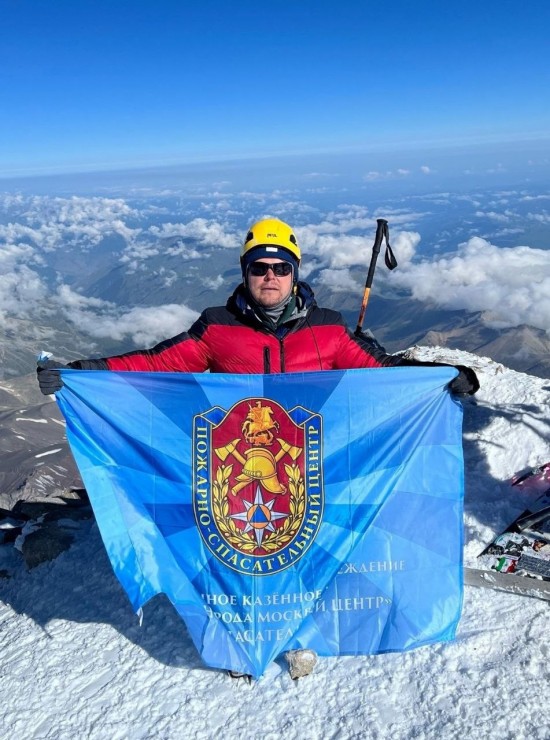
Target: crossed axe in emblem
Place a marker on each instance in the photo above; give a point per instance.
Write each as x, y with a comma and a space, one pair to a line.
258, 464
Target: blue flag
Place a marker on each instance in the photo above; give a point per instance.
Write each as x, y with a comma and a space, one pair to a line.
277, 512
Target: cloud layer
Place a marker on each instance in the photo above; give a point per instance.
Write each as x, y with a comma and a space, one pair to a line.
145, 326
40, 226
508, 285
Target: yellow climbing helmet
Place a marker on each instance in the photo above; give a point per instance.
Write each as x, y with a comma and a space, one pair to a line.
271, 234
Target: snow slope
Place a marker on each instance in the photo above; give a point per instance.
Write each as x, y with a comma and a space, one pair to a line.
74, 663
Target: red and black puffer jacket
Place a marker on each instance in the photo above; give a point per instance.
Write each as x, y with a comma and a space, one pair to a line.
232, 339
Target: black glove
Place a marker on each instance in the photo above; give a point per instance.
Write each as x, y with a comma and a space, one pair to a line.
49, 377
465, 383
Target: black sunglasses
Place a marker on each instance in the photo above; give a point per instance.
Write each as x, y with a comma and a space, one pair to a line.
280, 269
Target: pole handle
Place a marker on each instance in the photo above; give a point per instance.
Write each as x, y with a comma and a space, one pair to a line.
381, 232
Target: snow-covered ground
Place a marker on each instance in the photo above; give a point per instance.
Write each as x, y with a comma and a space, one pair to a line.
74, 663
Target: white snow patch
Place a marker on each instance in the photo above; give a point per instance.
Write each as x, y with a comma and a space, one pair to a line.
28, 528
58, 421
49, 452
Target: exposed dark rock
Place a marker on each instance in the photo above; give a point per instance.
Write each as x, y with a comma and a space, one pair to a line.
42, 530
45, 543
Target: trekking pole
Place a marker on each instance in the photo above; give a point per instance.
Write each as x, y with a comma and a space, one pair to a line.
382, 232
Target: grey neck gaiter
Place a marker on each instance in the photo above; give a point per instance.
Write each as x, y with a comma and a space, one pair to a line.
275, 312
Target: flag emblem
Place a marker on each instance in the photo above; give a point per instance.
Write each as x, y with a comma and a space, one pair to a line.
258, 483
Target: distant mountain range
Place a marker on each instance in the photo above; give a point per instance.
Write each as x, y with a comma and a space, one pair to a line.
397, 323
82, 276
403, 322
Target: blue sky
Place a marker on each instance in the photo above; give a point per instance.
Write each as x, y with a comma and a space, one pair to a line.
111, 84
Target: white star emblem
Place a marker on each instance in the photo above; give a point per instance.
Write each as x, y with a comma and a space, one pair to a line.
259, 516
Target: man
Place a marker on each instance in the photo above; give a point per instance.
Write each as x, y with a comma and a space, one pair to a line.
271, 324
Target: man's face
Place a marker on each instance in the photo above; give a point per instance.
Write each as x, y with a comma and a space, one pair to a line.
268, 290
